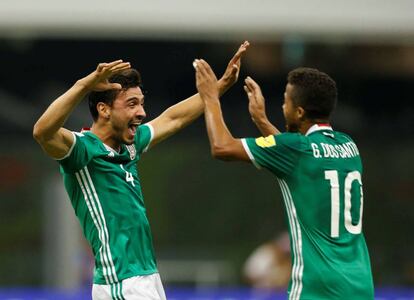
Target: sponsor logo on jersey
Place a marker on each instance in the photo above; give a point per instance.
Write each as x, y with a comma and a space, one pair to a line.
264, 142
132, 151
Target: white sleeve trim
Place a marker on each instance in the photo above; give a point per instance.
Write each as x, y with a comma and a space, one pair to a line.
249, 153
70, 149
151, 136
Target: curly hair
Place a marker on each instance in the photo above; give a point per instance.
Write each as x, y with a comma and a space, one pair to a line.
127, 79
314, 91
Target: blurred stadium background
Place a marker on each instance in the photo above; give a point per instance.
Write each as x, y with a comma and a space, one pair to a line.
206, 216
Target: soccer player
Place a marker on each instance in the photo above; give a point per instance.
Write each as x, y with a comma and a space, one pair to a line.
99, 169
319, 171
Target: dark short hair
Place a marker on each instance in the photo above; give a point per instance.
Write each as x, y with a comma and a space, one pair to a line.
314, 91
127, 79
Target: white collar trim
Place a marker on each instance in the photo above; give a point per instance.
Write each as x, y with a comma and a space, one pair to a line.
110, 149
317, 127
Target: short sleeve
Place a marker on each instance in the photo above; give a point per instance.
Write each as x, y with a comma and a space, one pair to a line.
277, 153
78, 155
143, 137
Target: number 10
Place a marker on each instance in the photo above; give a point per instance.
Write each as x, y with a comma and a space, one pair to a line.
332, 176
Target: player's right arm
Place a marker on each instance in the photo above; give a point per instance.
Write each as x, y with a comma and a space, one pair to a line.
48, 130
185, 112
257, 108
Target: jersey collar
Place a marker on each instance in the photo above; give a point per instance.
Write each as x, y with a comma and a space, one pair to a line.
317, 127
110, 149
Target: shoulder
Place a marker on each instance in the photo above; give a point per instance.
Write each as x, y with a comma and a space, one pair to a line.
143, 137
344, 136
146, 129
86, 141
291, 140
281, 140
87, 138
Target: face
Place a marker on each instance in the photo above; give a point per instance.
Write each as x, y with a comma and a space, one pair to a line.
290, 111
127, 113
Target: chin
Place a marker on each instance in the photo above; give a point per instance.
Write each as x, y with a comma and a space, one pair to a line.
128, 142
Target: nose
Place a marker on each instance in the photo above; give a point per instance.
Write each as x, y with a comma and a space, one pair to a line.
140, 113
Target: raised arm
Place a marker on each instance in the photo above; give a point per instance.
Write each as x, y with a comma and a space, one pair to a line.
48, 131
222, 144
185, 112
257, 108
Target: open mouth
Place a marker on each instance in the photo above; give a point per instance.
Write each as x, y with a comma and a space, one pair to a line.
132, 127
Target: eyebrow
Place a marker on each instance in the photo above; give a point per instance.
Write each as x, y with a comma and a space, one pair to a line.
135, 98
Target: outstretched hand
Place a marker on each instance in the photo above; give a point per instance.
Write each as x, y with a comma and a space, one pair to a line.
257, 107
206, 81
98, 79
231, 74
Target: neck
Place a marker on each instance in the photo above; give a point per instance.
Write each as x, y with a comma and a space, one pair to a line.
305, 125
104, 133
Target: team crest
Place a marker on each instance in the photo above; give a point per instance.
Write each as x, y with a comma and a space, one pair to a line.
265, 142
132, 151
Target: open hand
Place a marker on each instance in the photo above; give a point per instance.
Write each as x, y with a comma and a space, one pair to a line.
98, 79
257, 107
206, 81
231, 74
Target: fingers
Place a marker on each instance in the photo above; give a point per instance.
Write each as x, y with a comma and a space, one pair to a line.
235, 69
113, 67
243, 47
250, 82
120, 67
248, 92
253, 91
114, 63
115, 86
199, 71
203, 68
101, 66
252, 85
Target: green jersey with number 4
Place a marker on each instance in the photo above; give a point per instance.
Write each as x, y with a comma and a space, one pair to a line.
320, 178
105, 191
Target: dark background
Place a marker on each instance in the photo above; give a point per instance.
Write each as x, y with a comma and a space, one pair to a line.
199, 208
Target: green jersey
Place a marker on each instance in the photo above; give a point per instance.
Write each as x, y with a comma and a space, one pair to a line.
320, 178
105, 191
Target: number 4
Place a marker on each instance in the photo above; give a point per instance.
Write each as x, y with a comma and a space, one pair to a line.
332, 176
128, 176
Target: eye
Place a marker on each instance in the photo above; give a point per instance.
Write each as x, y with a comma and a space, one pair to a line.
132, 103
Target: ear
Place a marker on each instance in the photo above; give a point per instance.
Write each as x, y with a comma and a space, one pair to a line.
104, 110
300, 113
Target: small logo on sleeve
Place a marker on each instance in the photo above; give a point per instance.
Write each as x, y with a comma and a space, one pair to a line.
265, 142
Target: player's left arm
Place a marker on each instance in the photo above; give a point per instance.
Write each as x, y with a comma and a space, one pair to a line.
185, 112
222, 144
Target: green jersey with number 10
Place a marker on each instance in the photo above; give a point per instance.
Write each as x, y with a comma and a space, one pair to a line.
320, 175
105, 191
